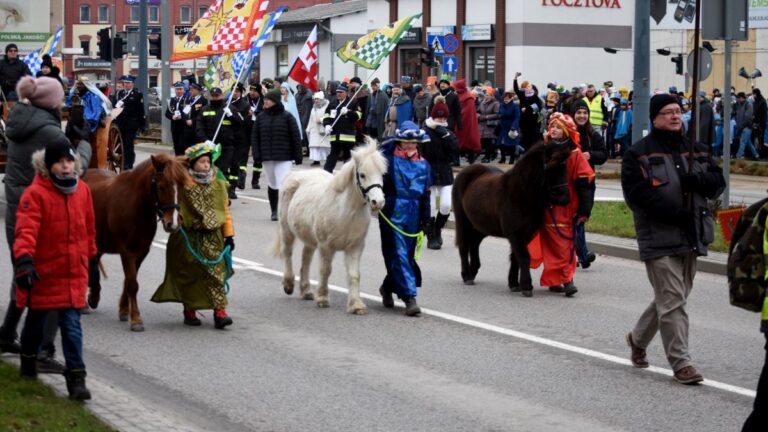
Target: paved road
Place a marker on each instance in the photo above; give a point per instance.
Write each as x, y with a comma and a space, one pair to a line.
480, 359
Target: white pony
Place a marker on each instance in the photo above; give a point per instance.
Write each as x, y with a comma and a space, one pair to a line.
330, 213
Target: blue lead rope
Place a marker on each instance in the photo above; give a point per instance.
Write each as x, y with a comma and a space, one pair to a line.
225, 255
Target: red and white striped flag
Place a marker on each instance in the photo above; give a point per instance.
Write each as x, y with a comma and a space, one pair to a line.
305, 69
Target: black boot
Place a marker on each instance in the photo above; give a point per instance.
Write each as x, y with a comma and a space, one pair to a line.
47, 363
255, 180
28, 368
429, 230
570, 289
8, 330
386, 298
411, 308
440, 222
76, 385
273, 195
231, 193
241, 179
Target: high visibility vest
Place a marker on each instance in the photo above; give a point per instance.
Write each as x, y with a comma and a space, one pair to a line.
595, 110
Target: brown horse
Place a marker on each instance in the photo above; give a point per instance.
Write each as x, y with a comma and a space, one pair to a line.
488, 202
127, 208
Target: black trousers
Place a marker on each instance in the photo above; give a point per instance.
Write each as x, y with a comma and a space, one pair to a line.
128, 135
338, 146
177, 134
489, 146
757, 421
226, 161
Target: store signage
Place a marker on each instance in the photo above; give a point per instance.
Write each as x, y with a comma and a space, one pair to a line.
412, 36
479, 32
23, 37
181, 30
137, 2
91, 63
605, 4
441, 30
300, 33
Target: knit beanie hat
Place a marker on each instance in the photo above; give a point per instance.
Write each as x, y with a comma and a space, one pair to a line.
273, 95
577, 105
42, 92
659, 101
440, 110
9, 46
56, 150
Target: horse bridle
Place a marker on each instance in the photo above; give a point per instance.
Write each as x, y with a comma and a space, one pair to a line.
161, 208
364, 191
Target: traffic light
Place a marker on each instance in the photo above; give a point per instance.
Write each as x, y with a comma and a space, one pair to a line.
155, 48
105, 45
678, 61
428, 56
119, 47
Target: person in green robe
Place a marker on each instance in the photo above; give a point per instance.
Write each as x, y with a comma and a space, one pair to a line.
198, 262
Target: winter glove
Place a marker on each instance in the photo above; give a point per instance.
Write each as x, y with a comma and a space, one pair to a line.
230, 241
227, 112
297, 161
26, 275
513, 134
328, 130
344, 111
689, 182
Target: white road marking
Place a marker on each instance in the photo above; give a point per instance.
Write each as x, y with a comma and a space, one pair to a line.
252, 265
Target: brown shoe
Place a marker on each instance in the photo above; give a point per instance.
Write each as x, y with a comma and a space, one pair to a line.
637, 357
688, 375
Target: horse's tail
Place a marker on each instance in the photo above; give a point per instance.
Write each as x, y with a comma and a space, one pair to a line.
460, 184
276, 248
290, 186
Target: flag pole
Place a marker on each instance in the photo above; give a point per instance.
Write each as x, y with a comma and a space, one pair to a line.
367, 81
232, 93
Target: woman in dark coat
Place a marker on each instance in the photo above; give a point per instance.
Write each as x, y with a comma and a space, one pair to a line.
530, 107
509, 128
439, 151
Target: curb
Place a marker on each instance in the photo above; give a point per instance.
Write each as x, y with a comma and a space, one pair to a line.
704, 264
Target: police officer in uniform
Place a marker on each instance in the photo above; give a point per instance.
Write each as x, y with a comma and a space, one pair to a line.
256, 102
231, 122
131, 119
240, 106
195, 104
344, 113
175, 113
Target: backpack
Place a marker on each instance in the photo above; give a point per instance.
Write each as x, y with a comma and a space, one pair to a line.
746, 261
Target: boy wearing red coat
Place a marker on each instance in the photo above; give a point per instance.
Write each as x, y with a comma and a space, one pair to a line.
55, 239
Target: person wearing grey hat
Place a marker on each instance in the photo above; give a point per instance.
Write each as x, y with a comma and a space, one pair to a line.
421, 101
11, 71
340, 122
674, 226
131, 120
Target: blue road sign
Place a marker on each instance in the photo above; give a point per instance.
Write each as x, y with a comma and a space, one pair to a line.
437, 42
451, 43
450, 64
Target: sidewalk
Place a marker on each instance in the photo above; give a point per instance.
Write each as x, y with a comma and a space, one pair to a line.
625, 248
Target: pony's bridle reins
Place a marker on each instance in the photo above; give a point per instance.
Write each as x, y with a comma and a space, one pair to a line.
161, 208
364, 191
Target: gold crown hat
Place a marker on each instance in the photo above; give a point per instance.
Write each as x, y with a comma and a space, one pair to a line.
199, 150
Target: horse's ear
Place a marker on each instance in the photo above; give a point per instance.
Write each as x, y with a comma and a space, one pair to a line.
156, 163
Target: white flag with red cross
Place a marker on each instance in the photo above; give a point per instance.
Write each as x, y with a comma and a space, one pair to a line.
305, 69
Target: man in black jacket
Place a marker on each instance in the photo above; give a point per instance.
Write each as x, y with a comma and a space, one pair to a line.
175, 113
340, 121
131, 119
674, 226
760, 117
452, 100
256, 101
194, 105
11, 71
276, 142
242, 108
706, 121
208, 121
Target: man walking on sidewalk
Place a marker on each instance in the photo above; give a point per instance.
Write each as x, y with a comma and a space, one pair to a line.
671, 233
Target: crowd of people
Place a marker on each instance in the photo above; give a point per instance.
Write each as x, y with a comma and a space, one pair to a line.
425, 131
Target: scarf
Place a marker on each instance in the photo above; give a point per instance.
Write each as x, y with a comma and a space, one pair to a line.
201, 177
65, 184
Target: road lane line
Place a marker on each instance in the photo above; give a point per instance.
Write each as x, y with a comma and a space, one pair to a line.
252, 265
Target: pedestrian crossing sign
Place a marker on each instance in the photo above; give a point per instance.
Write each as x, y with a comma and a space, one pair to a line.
437, 42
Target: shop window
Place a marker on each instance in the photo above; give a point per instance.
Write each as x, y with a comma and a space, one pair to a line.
483, 64
103, 13
85, 14
282, 61
410, 64
185, 14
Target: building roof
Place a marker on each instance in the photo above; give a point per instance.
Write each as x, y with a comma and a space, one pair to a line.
322, 11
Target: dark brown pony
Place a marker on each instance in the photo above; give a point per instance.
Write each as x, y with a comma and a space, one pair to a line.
127, 208
489, 202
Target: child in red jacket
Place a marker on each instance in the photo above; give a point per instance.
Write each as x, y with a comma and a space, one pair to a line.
55, 238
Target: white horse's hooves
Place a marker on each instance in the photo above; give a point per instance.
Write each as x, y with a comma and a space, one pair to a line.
288, 289
357, 311
308, 296
323, 303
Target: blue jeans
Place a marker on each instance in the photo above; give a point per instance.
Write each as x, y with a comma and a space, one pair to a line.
580, 241
746, 143
71, 335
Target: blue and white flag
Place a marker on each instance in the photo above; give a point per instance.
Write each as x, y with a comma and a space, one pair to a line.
35, 59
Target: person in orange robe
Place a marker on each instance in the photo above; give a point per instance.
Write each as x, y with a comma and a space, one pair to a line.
554, 244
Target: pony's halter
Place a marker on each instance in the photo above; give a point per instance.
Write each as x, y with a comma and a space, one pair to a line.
364, 191
161, 208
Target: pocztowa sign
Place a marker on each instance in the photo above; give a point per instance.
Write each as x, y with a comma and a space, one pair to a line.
605, 4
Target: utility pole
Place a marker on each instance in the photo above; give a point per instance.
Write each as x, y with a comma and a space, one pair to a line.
641, 78
726, 98
113, 66
143, 83
165, 83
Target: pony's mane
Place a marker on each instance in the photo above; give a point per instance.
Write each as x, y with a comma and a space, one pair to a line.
370, 160
532, 159
174, 168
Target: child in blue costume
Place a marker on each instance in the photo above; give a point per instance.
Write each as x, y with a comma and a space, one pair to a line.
406, 188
